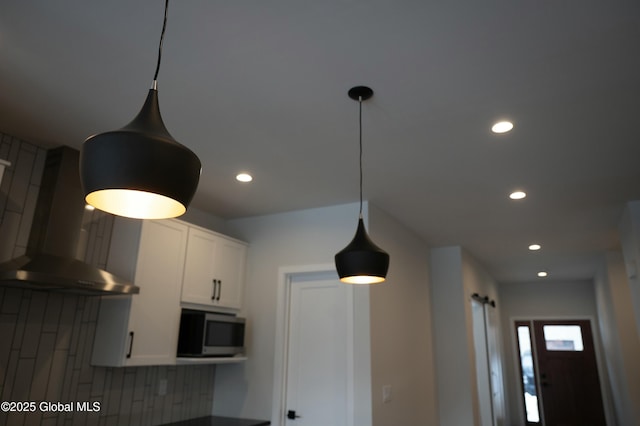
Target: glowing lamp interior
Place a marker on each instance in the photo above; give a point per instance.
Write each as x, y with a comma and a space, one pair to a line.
135, 204
362, 279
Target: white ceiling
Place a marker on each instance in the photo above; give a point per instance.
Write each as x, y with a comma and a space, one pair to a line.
262, 86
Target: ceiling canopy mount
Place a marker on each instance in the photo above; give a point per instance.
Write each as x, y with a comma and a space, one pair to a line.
360, 93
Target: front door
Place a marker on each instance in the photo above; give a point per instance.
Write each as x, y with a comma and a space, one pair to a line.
558, 363
569, 382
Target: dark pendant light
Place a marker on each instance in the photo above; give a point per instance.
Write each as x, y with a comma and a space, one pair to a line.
140, 170
361, 262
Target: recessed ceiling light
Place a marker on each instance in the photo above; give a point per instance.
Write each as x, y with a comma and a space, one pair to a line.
542, 274
534, 247
244, 177
502, 127
517, 195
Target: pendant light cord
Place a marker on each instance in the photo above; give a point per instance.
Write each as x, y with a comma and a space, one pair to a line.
360, 145
164, 26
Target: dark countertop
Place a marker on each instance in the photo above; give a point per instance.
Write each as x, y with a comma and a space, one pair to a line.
219, 421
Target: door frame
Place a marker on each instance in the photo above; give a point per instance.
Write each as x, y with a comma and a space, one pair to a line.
285, 282
603, 375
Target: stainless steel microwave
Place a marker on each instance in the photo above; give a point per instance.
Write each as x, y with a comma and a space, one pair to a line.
204, 334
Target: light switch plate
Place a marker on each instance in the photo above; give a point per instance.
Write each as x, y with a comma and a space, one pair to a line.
386, 393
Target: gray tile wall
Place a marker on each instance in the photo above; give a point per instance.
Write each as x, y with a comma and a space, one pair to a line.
46, 338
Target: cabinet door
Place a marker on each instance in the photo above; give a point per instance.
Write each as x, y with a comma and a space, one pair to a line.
229, 268
155, 312
214, 270
200, 283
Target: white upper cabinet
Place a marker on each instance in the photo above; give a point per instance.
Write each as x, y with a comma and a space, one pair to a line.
176, 265
214, 270
142, 329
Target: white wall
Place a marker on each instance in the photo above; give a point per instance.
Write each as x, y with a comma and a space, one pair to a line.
307, 237
452, 348
401, 340
619, 337
396, 315
209, 221
629, 229
455, 276
543, 300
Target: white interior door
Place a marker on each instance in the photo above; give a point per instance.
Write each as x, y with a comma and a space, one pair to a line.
319, 366
495, 364
488, 361
483, 378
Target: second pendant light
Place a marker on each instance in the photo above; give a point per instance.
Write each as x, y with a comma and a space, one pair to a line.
361, 261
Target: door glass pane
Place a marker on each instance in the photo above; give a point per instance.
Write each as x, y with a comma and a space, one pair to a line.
528, 377
563, 338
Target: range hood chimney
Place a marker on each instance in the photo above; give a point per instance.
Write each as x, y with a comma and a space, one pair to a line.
50, 261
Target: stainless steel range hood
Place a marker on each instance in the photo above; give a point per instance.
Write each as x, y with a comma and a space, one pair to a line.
50, 261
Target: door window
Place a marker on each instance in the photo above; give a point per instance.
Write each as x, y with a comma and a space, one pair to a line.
527, 370
563, 338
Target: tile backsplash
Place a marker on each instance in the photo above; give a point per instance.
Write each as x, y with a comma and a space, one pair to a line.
46, 338
45, 358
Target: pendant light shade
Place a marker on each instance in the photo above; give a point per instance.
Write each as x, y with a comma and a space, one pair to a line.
361, 261
140, 171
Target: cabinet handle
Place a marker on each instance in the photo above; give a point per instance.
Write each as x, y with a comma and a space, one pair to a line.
217, 289
130, 344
